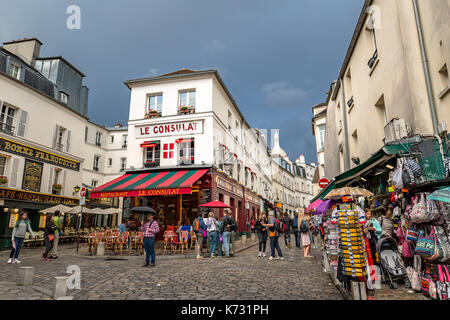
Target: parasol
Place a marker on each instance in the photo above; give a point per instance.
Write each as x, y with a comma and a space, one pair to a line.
324, 206
143, 210
314, 205
60, 207
441, 195
348, 191
215, 204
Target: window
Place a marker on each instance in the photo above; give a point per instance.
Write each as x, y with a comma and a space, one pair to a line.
321, 136
124, 141
94, 183
109, 162
2, 165
445, 81
155, 104
152, 155
96, 163
56, 188
59, 139
64, 97
229, 120
14, 71
185, 151
111, 139
86, 131
123, 164
7, 119
186, 102
98, 139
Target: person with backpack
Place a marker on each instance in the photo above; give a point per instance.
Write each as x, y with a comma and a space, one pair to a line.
228, 225
18, 235
200, 232
213, 234
295, 226
49, 235
274, 234
287, 224
262, 234
150, 230
305, 236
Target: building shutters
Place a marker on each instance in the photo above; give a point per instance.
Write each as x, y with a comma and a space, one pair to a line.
55, 136
23, 115
50, 177
14, 172
68, 141
63, 191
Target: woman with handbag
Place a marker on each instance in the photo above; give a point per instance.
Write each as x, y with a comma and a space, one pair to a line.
18, 236
262, 234
49, 236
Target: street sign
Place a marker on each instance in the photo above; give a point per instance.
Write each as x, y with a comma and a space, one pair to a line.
82, 201
83, 192
323, 182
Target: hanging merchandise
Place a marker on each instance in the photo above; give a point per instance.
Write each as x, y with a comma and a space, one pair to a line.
414, 279
444, 244
443, 285
427, 245
414, 167
428, 286
419, 210
397, 179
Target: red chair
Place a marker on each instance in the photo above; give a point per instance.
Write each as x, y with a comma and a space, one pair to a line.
183, 242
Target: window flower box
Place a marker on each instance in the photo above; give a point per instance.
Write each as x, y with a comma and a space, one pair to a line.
151, 163
3, 180
152, 114
57, 187
186, 109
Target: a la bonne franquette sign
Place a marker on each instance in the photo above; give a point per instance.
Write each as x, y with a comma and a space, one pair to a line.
169, 129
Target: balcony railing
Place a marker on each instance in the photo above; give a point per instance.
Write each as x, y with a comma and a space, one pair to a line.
6, 128
183, 161
151, 163
59, 146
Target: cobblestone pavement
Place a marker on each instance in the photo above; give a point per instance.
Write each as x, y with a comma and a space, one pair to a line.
244, 276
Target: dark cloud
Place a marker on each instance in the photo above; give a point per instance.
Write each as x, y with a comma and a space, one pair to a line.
276, 57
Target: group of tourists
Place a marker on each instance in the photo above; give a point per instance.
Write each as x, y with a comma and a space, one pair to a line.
52, 232
275, 225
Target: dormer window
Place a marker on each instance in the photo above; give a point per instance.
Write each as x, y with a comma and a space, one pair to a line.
14, 71
64, 97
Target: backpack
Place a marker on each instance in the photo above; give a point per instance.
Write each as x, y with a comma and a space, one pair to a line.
280, 226
197, 226
303, 226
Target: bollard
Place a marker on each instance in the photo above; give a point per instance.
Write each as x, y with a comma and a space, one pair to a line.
26, 276
355, 290
60, 287
244, 239
362, 291
101, 249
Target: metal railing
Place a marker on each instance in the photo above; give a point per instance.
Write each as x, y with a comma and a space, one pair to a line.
6, 128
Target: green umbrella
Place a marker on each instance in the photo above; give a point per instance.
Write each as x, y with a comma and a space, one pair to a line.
441, 195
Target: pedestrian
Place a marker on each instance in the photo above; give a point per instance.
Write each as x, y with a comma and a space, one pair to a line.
150, 230
262, 234
213, 233
287, 231
18, 235
273, 235
122, 228
312, 230
220, 242
57, 221
252, 223
305, 236
295, 222
200, 228
227, 226
49, 236
386, 222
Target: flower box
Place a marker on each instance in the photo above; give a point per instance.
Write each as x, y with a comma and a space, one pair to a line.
186, 109
152, 114
3, 180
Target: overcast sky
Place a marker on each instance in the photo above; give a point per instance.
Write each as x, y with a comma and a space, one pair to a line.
278, 58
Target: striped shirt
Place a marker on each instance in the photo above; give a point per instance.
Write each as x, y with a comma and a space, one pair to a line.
150, 231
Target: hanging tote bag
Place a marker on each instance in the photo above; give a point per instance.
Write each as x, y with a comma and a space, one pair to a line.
414, 279
441, 285
443, 244
418, 212
412, 235
397, 179
426, 245
428, 286
414, 167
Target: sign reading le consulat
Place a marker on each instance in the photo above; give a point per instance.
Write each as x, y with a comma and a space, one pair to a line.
36, 154
170, 129
36, 197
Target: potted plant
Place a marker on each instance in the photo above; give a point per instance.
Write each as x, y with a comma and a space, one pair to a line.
186, 109
150, 163
152, 114
3, 180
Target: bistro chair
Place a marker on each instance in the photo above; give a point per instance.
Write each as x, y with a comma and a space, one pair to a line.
122, 242
110, 243
182, 242
168, 242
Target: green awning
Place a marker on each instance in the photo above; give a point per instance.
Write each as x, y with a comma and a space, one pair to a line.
324, 192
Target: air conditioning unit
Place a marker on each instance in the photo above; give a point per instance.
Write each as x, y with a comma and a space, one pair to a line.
395, 130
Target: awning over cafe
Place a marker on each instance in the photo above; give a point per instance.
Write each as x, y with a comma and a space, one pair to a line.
149, 184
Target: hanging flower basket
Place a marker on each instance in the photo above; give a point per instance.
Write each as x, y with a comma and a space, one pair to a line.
3, 180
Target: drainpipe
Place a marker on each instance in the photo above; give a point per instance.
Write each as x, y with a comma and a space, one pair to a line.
425, 67
344, 120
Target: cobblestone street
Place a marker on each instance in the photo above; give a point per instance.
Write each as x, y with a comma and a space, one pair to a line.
241, 277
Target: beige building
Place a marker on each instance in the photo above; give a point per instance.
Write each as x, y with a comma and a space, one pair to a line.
393, 83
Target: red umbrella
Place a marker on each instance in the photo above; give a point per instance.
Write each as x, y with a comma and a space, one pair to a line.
215, 204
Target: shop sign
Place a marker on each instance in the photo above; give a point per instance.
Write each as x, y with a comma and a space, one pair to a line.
169, 129
13, 194
141, 193
37, 154
32, 176
228, 186
12, 219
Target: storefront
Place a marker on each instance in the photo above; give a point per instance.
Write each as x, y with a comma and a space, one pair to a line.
252, 207
12, 201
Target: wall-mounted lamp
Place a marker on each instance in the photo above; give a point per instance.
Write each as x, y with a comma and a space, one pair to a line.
76, 189
15, 210
5, 209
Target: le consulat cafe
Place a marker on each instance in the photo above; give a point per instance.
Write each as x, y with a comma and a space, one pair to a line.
25, 183
176, 175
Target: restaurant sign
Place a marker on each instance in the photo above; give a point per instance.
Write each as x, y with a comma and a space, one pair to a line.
169, 129
228, 186
37, 154
12, 194
141, 193
32, 175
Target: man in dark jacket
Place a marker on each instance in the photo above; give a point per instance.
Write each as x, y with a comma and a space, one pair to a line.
295, 226
228, 225
287, 231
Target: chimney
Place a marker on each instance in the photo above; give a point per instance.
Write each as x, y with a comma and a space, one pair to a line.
302, 159
118, 125
26, 49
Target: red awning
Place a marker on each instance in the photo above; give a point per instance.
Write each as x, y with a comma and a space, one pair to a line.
148, 144
150, 184
183, 140
215, 204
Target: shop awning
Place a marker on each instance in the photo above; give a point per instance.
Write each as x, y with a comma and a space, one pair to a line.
149, 184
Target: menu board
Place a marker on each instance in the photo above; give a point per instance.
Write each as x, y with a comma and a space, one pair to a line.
32, 176
12, 219
42, 221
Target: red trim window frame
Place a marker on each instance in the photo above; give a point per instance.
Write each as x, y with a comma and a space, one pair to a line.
186, 150
168, 150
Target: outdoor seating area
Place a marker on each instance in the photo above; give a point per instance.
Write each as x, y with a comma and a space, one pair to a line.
177, 242
67, 235
115, 242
